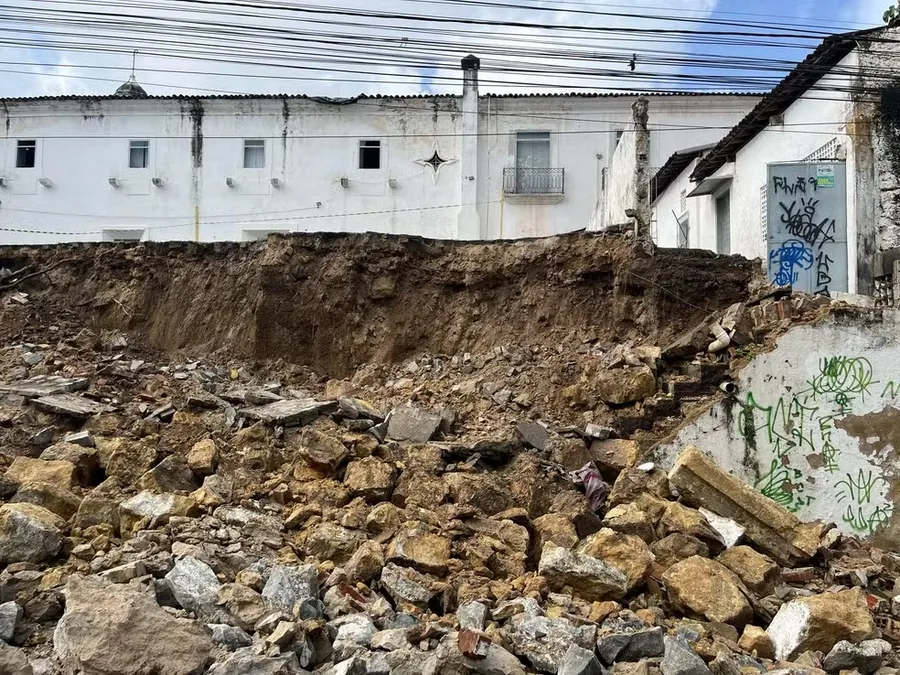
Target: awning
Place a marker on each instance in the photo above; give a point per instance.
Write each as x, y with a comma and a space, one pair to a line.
709, 185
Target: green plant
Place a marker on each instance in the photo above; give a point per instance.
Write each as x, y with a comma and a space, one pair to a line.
892, 13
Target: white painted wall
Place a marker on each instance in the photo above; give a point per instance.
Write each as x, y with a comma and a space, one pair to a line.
814, 424
813, 120
310, 146
619, 195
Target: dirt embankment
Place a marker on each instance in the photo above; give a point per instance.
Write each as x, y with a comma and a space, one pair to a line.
334, 302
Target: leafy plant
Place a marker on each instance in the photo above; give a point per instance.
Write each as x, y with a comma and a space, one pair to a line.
892, 13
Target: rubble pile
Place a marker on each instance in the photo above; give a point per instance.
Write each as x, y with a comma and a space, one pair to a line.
487, 511
190, 518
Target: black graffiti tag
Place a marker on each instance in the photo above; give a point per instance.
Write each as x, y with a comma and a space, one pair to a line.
800, 184
823, 273
801, 222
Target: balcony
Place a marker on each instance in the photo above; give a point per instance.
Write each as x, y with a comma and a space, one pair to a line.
534, 182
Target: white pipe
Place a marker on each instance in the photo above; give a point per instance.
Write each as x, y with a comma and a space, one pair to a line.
722, 338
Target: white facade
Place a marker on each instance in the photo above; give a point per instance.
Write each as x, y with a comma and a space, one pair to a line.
301, 169
844, 118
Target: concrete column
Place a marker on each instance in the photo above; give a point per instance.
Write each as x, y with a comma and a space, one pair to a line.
469, 226
640, 111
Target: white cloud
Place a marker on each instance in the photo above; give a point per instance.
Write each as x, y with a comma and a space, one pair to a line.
370, 57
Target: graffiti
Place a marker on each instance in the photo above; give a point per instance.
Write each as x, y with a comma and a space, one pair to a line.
800, 184
829, 451
823, 274
842, 377
867, 523
782, 485
792, 254
858, 491
802, 222
799, 429
891, 390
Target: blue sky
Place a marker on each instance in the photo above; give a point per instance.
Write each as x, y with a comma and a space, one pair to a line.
407, 59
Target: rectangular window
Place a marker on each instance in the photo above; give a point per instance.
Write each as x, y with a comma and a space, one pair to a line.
370, 154
723, 224
139, 154
533, 150
26, 151
254, 154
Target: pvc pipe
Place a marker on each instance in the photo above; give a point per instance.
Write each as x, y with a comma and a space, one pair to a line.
722, 338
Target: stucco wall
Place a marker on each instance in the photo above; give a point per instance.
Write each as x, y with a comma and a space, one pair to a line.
620, 183
815, 119
310, 146
816, 424
195, 144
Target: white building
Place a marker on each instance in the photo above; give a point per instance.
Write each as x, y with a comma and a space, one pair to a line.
212, 168
808, 180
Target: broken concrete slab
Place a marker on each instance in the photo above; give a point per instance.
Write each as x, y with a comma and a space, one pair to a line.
71, 405
771, 527
45, 385
290, 412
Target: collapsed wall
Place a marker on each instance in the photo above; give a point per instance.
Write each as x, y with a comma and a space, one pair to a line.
814, 423
334, 302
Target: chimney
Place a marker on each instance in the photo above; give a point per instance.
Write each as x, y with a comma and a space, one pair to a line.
470, 66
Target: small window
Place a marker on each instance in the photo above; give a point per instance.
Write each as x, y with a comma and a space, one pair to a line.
370, 154
254, 154
26, 151
619, 134
139, 154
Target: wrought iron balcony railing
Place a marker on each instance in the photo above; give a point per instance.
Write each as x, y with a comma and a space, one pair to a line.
534, 181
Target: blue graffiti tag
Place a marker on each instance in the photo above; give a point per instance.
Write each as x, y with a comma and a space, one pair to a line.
792, 255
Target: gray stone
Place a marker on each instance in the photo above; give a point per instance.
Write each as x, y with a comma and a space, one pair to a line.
866, 657
495, 660
45, 385
71, 405
82, 438
289, 413
416, 425
14, 662
230, 637
28, 533
406, 585
591, 578
354, 408
533, 434
681, 659
194, 585
288, 586
472, 615
354, 635
390, 640
627, 638
545, 641
352, 666
10, 613
247, 662
377, 663
44, 437
579, 661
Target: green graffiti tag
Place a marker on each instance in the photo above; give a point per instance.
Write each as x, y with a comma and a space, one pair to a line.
798, 429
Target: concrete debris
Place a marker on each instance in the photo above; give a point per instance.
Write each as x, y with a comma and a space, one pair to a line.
819, 622
409, 423
771, 527
45, 385
70, 405
289, 413
213, 517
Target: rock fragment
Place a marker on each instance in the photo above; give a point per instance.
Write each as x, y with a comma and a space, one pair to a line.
819, 622
29, 533
707, 588
591, 578
111, 628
